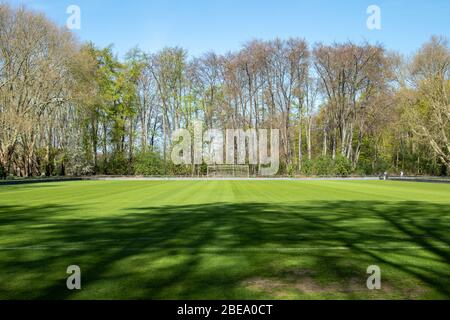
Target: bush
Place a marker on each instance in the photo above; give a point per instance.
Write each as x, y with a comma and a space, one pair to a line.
180, 170
382, 165
364, 167
326, 166
148, 164
307, 167
282, 170
342, 166
291, 170
117, 165
323, 166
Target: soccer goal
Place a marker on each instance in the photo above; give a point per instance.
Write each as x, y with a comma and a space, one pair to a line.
228, 171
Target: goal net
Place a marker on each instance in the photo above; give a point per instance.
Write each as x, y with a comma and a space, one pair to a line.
226, 171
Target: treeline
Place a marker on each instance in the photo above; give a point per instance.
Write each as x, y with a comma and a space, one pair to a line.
74, 109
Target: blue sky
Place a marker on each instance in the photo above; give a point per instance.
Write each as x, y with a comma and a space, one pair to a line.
223, 25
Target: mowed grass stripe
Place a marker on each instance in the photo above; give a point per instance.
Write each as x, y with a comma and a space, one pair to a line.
225, 239
402, 190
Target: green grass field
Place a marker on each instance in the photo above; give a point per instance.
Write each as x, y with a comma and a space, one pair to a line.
225, 239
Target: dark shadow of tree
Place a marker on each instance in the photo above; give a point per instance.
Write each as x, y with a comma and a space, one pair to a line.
227, 250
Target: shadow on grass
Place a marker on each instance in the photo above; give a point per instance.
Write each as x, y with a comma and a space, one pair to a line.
222, 250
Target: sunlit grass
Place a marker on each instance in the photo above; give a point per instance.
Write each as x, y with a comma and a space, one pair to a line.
225, 239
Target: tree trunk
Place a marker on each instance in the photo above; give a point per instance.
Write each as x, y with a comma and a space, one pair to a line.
325, 141
300, 146
308, 138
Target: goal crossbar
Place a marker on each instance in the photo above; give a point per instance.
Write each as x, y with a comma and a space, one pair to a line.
226, 171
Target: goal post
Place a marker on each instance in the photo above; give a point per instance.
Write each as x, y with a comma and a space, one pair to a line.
228, 171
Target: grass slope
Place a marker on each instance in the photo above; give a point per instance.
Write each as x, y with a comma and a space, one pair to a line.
225, 239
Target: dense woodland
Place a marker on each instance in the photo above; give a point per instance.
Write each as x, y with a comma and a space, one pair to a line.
71, 108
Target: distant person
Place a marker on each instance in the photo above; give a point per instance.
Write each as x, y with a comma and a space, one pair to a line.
385, 175
401, 174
